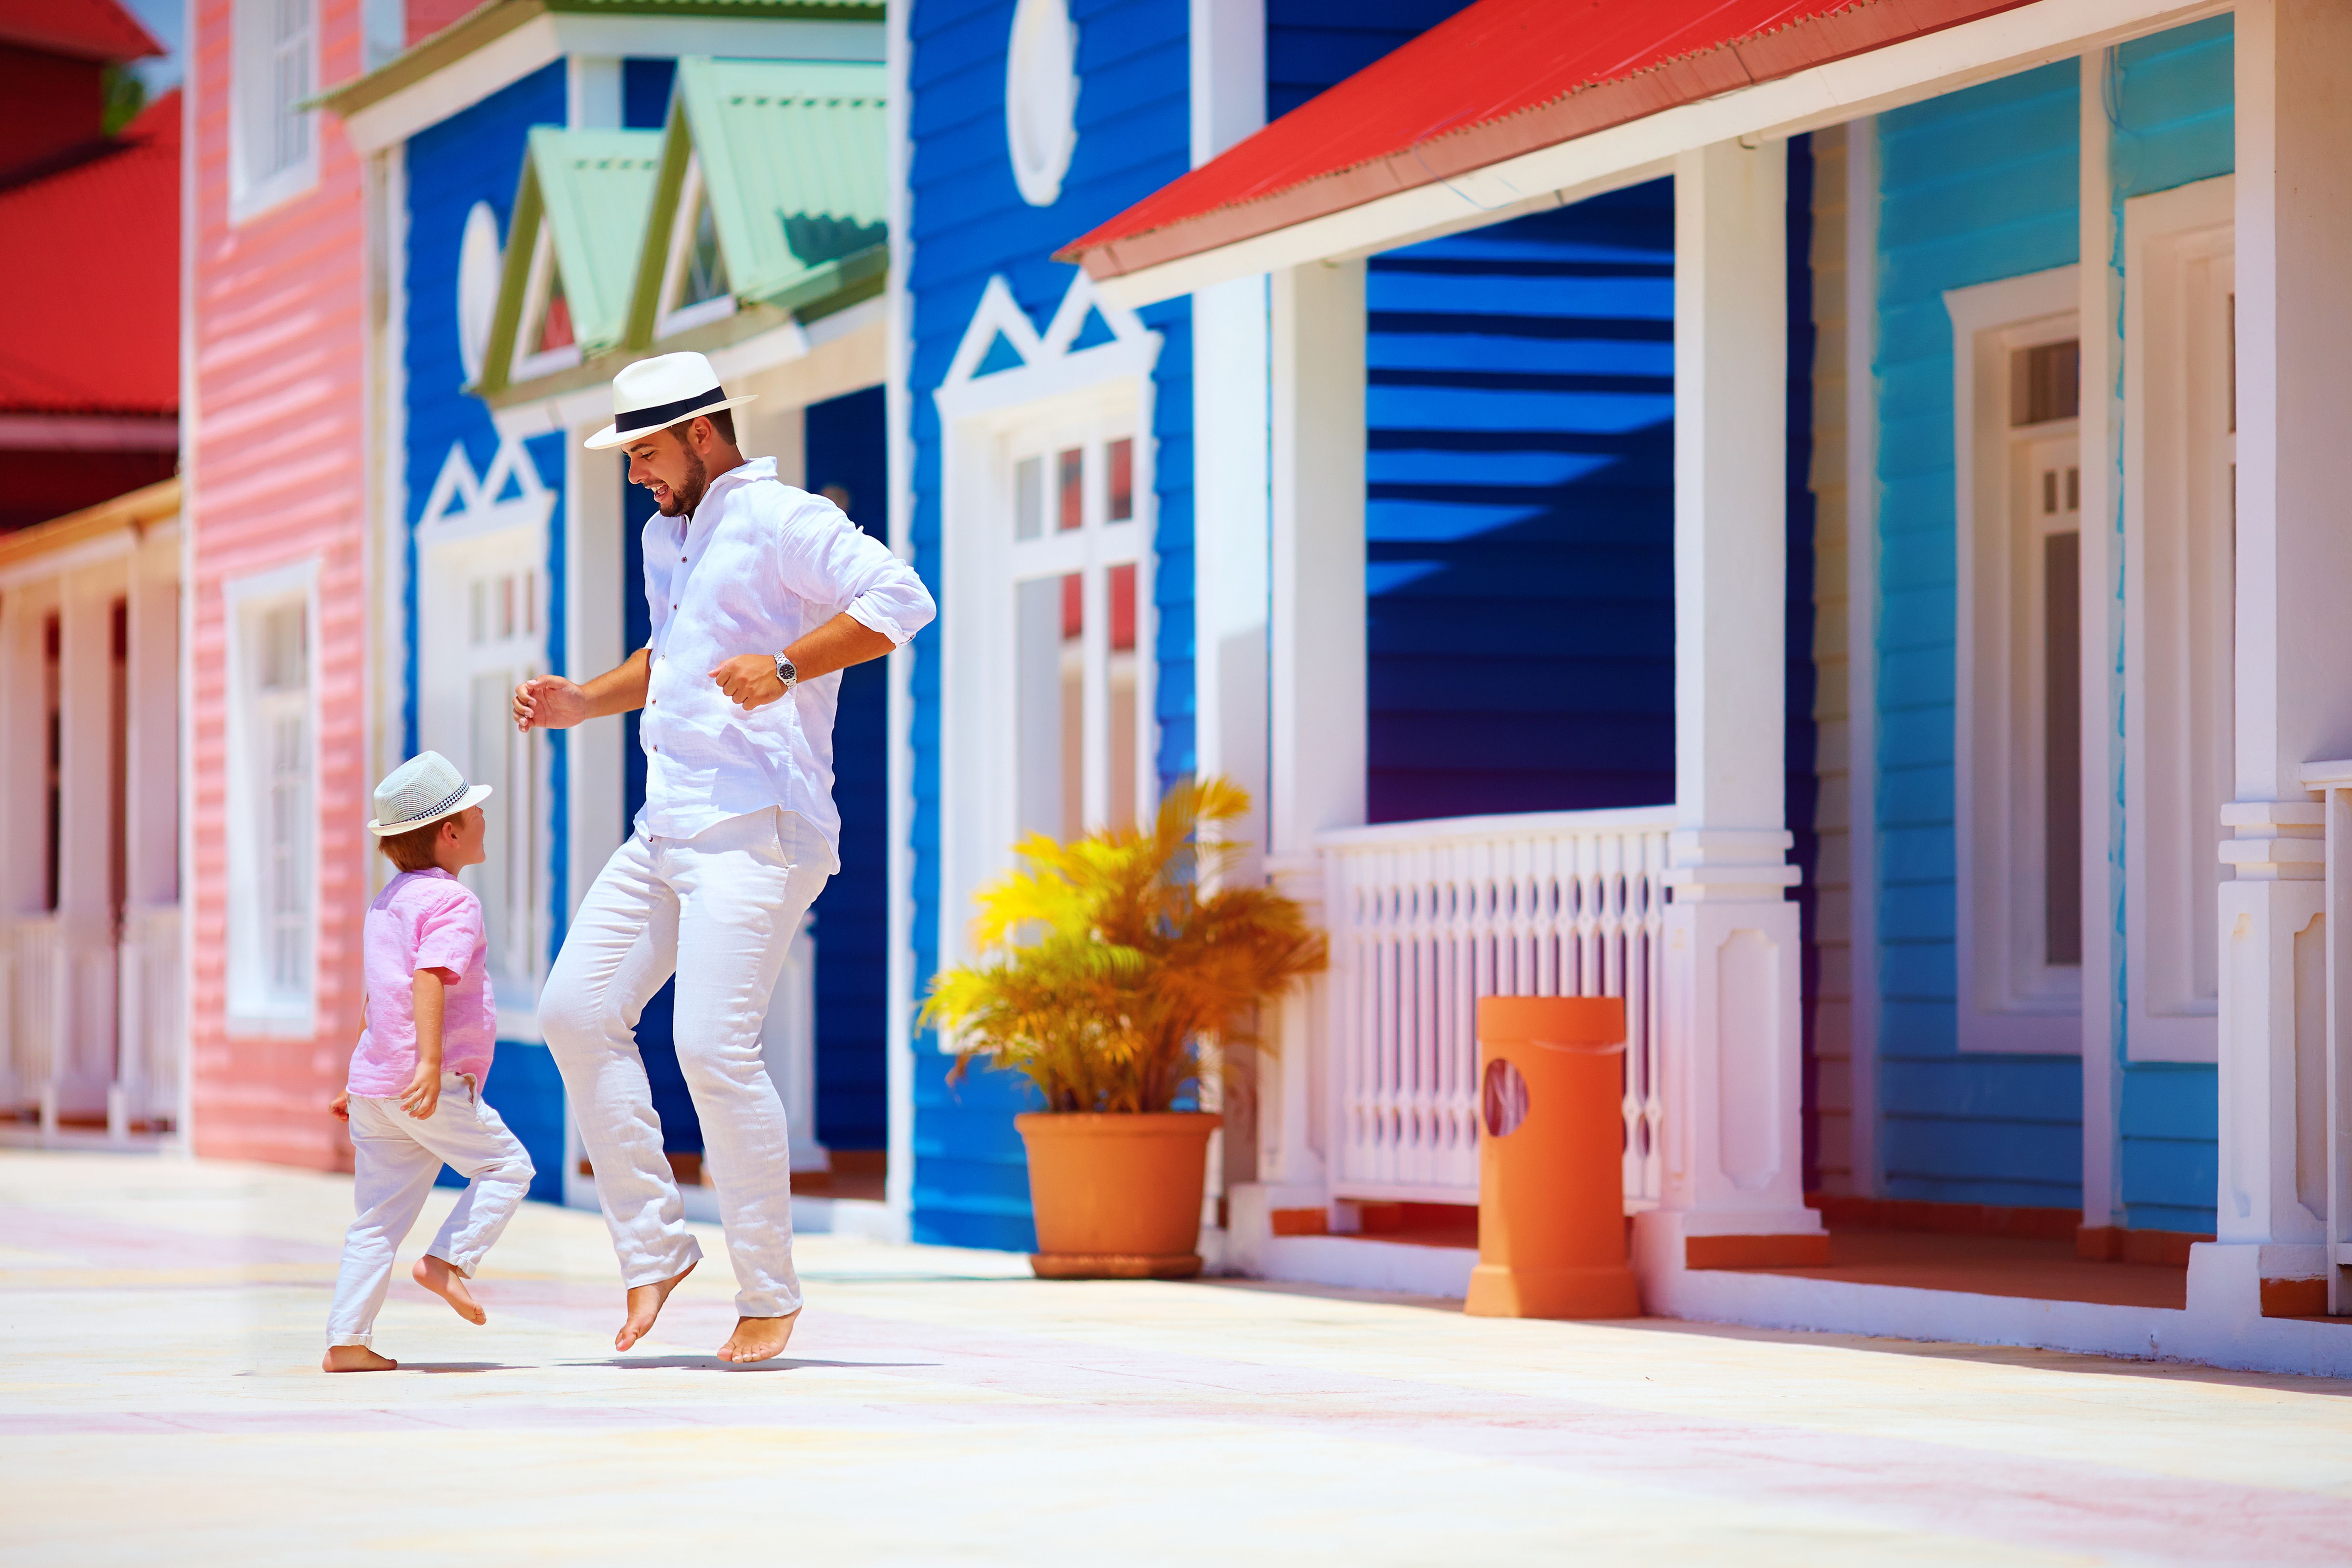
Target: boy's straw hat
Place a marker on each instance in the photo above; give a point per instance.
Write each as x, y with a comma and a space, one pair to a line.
424, 789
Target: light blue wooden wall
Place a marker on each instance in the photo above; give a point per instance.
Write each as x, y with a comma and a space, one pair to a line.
2172, 102
1974, 186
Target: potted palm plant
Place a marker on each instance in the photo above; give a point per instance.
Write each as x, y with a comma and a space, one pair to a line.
1102, 966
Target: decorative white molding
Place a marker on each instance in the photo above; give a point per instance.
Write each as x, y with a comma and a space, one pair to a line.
2179, 578
2008, 1001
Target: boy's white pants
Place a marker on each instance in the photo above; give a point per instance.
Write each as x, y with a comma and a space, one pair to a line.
719, 910
395, 1158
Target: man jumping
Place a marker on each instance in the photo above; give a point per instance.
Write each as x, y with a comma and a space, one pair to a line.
761, 595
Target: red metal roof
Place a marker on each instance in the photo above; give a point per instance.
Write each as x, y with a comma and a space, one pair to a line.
85, 29
1497, 80
94, 275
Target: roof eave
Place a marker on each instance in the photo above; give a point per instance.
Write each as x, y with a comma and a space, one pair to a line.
1592, 140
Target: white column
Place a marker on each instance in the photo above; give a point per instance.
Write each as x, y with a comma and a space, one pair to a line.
1316, 654
2101, 424
593, 617
1733, 1182
592, 92
2293, 642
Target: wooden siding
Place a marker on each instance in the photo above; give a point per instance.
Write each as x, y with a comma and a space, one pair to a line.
1974, 186
968, 223
1830, 1029
1314, 44
847, 441
2175, 123
1519, 517
276, 459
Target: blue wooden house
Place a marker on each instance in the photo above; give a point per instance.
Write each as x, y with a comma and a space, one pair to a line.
1804, 518
561, 190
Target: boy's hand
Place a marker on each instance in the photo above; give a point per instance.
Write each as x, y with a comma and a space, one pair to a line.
423, 1093
339, 1108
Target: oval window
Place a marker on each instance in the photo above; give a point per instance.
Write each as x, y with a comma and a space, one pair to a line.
1041, 98
479, 266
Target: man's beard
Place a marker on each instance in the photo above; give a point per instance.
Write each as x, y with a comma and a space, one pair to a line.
684, 498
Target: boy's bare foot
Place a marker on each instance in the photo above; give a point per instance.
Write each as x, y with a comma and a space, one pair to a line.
355, 1358
759, 1339
644, 1306
437, 1276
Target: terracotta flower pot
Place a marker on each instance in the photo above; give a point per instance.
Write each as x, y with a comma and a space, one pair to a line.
1117, 1197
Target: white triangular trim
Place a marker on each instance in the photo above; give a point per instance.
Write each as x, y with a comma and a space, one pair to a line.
461, 501
1049, 366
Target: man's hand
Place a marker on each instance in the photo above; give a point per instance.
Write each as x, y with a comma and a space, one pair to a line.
549, 702
422, 1094
339, 1108
749, 682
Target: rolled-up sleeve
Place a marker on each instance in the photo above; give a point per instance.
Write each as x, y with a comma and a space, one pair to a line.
830, 560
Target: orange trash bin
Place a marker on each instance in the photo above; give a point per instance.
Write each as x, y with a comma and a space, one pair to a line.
1551, 1169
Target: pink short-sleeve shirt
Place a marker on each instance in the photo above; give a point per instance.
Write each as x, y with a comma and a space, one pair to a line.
424, 919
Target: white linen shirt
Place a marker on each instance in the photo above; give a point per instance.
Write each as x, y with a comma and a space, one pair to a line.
758, 566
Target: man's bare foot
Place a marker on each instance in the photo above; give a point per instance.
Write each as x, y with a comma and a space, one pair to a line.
644, 1306
355, 1358
437, 1276
759, 1339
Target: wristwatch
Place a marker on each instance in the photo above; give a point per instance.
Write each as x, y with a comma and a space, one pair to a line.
787, 674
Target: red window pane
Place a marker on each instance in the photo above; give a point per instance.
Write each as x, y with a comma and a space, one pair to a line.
555, 327
1074, 607
1122, 608
1122, 480
1070, 472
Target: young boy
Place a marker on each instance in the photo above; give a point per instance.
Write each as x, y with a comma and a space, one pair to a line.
415, 1097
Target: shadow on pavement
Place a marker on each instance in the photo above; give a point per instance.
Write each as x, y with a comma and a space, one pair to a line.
712, 1364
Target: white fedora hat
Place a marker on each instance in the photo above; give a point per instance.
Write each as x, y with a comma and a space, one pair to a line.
654, 394
422, 790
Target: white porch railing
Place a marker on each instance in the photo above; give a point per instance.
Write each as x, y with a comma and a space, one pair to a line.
1427, 917
92, 1027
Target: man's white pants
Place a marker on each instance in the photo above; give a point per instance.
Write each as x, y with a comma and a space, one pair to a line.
395, 1158
718, 910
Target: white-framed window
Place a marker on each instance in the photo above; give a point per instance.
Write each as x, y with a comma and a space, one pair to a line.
273, 802
273, 141
1046, 558
482, 628
1074, 565
546, 342
2180, 614
2018, 768
695, 286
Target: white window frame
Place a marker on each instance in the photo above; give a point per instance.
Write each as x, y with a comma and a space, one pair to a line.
528, 365
255, 1005
2180, 249
985, 421
2009, 1000
464, 532
674, 318
255, 58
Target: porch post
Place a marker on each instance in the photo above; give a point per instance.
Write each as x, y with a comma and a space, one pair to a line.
1733, 1181
2293, 646
1314, 646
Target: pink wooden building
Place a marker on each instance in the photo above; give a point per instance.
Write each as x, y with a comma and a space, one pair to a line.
281, 368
